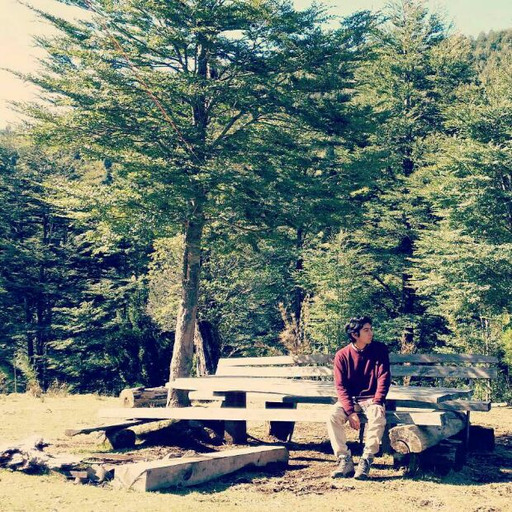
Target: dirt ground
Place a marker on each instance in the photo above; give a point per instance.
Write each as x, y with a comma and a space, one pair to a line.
311, 459
483, 485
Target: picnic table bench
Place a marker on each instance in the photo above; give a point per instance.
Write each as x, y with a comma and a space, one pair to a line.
424, 415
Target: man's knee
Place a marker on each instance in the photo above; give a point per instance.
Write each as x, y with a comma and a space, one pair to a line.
337, 415
376, 414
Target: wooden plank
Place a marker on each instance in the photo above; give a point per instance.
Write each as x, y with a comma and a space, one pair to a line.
317, 415
442, 358
327, 359
217, 414
291, 399
276, 360
308, 388
188, 471
428, 395
255, 385
275, 371
459, 372
462, 372
107, 427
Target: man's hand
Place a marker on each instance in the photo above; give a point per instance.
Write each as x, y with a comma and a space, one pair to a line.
354, 421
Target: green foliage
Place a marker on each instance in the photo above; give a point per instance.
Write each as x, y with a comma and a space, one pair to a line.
333, 173
337, 278
464, 262
164, 281
243, 285
408, 85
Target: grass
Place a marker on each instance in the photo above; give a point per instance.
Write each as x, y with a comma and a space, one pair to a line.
484, 485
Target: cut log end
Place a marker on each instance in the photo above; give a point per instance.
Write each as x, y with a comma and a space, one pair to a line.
121, 439
144, 397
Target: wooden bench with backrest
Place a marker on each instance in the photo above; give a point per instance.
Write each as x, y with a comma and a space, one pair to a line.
430, 371
449, 370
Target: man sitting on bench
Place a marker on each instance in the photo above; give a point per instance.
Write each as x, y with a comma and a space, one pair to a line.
362, 378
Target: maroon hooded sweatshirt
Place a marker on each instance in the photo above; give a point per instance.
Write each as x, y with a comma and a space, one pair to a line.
362, 374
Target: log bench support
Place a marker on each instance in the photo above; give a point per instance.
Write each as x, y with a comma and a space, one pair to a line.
282, 430
406, 439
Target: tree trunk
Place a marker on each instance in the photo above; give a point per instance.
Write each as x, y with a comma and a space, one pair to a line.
183, 350
299, 294
407, 346
207, 348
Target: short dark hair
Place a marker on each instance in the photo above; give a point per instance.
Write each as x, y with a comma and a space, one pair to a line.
355, 325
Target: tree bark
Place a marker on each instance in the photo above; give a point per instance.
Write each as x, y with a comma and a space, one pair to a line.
417, 438
299, 294
207, 346
183, 350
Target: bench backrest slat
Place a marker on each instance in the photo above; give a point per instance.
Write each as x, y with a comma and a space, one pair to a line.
459, 372
453, 366
275, 371
327, 359
455, 372
276, 360
442, 358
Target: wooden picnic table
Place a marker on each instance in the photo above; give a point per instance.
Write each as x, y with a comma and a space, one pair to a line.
398, 396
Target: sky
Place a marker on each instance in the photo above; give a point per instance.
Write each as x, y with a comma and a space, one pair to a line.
18, 25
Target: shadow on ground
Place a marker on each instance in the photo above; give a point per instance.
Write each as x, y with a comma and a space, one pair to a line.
311, 463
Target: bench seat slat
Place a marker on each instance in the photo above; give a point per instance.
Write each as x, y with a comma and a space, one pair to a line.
452, 405
241, 414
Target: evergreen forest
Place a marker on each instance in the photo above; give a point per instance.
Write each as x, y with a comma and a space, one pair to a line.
207, 178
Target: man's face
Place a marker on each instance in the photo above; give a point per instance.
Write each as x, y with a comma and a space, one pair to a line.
365, 336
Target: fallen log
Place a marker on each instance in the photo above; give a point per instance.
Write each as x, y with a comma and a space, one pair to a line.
187, 471
417, 438
121, 439
98, 428
442, 458
144, 397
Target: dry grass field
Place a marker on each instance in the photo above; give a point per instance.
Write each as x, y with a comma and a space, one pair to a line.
484, 485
